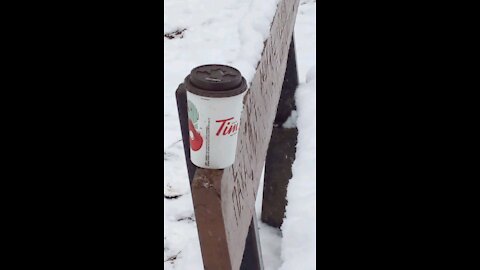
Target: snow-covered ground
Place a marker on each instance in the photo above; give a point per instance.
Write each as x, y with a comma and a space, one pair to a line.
232, 32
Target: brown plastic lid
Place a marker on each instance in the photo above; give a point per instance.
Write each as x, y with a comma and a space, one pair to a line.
215, 81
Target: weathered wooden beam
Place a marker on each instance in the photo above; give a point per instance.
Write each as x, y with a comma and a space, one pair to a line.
286, 103
252, 257
224, 200
281, 150
278, 172
181, 95
242, 180
212, 230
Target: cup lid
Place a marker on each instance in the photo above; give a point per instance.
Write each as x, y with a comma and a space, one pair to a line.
216, 81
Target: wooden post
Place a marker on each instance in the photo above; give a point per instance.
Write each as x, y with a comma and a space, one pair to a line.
252, 257
287, 99
224, 200
281, 151
181, 96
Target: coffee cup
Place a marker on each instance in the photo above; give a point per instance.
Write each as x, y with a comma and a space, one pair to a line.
215, 96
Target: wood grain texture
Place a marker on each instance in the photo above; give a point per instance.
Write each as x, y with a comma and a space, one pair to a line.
224, 200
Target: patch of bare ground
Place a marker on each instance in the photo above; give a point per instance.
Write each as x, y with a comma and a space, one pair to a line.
175, 34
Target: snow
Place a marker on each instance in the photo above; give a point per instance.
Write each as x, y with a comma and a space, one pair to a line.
232, 32
299, 226
291, 121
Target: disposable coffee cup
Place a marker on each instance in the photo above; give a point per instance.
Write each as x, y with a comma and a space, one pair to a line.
215, 102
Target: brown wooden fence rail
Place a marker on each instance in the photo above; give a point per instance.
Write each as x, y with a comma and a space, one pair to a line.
224, 200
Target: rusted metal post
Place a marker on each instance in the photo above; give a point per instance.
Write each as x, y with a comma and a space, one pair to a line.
281, 150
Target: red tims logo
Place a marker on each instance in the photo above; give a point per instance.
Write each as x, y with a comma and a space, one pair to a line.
196, 140
227, 127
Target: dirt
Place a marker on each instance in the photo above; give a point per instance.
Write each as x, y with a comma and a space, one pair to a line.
172, 197
172, 258
175, 34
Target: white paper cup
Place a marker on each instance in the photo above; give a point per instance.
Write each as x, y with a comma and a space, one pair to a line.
215, 102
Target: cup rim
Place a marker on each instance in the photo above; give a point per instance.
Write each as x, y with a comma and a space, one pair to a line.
215, 93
